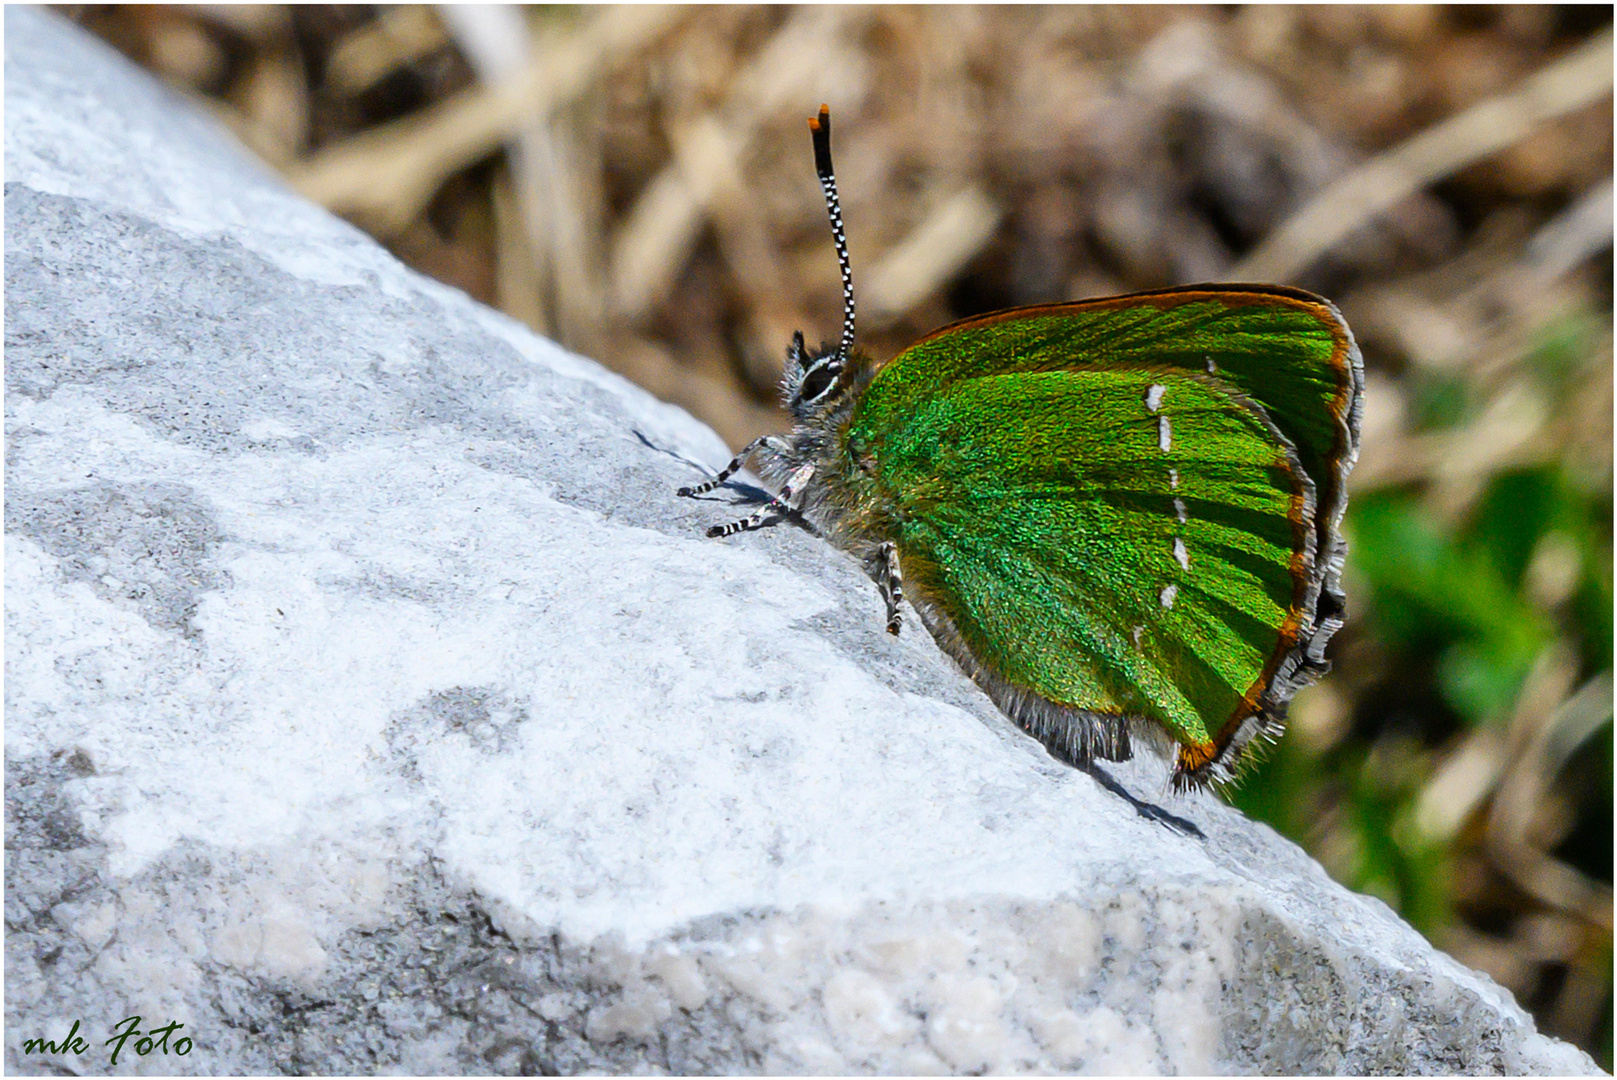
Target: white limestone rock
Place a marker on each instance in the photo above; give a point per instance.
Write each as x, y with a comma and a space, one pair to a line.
372, 704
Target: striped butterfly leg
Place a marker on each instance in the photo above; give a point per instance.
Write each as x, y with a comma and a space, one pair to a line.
773, 441
781, 503
890, 582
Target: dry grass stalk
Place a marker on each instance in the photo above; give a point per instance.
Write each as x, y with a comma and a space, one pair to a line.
1570, 83
386, 176
399, 36
930, 256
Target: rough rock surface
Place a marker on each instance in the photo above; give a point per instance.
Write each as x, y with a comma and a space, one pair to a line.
373, 705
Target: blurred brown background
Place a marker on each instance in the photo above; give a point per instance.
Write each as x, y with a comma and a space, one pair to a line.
638, 183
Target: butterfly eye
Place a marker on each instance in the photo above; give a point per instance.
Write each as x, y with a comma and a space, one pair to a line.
817, 382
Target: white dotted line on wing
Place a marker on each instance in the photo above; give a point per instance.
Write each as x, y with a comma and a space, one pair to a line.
1155, 395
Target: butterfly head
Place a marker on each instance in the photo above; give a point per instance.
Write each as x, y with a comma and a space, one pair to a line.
814, 378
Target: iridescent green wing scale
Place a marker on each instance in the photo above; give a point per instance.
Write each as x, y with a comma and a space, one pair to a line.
1128, 508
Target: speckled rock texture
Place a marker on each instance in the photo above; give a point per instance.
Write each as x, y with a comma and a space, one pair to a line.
372, 705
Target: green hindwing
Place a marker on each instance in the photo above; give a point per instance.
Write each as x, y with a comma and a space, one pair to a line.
1127, 508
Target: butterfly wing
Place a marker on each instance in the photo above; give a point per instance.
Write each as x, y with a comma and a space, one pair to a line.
1102, 528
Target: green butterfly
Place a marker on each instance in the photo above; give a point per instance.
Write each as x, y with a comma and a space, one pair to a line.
1122, 517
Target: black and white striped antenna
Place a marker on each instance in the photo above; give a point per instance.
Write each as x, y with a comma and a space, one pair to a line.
821, 127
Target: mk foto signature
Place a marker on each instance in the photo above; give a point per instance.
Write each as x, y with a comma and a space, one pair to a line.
124, 1030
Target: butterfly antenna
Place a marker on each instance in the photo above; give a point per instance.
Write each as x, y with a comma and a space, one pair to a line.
821, 127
